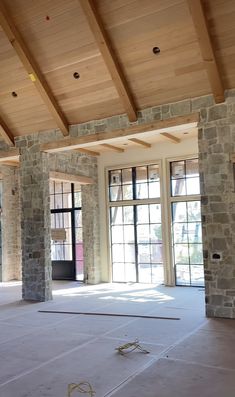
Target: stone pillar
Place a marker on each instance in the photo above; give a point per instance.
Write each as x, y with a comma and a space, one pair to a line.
216, 143
11, 240
35, 221
91, 240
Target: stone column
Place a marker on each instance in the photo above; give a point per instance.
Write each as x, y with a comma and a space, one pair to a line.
91, 241
216, 143
10, 220
35, 221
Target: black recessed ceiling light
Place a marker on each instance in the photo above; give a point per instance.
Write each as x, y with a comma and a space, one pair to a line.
14, 94
76, 75
156, 50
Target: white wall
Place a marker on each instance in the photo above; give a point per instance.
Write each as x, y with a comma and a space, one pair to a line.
160, 151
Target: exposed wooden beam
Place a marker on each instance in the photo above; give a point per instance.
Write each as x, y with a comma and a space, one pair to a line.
232, 157
206, 47
87, 151
168, 125
11, 163
140, 142
109, 57
112, 147
171, 137
6, 133
63, 177
32, 69
9, 155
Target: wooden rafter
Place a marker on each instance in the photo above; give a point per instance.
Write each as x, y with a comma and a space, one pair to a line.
140, 142
87, 151
6, 133
32, 69
112, 147
206, 47
159, 126
63, 177
171, 137
109, 57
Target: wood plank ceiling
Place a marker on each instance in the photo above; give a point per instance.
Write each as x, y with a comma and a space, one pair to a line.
89, 77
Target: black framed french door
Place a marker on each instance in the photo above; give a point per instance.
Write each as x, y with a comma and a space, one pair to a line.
67, 240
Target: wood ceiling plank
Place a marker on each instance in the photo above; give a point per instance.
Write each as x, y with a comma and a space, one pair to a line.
171, 137
87, 151
109, 57
112, 147
9, 155
6, 133
207, 51
63, 177
140, 142
103, 137
32, 69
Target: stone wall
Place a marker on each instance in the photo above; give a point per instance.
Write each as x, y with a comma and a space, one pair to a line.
10, 220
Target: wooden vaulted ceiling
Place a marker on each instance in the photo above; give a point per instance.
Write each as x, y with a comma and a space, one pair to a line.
109, 44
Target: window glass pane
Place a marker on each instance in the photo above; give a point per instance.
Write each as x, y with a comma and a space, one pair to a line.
58, 201
78, 218
178, 187
153, 173
141, 174
57, 252
67, 200
195, 232
127, 192
156, 253
67, 187
156, 233
115, 193
142, 214
197, 275
67, 219
127, 176
118, 252
128, 214
117, 234
142, 190
129, 253
157, 274
78, 199
78, 234
145, 274
194, 211
68, 252
143, 253
155, 213
115, 177
182, 275
58, 187
129, 236
143, 235
79, 271
193, 186
53, 221
119, 272
154, 189
52, 202
59, 220
116, 215
79, 251
130, 272
177, 169
192, 168
195, 252
179, 212
180, 232
181, 253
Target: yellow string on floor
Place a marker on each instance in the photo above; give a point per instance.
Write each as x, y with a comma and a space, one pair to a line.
129, 347
82, 387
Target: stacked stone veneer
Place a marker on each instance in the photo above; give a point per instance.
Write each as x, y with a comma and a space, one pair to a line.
35, 221
10, 223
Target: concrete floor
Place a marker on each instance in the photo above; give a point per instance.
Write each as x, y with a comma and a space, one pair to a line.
41, 353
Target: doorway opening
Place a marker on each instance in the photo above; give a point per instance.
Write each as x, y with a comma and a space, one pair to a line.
66, 231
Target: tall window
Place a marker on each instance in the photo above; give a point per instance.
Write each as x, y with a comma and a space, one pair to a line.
135, 223
186, 222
